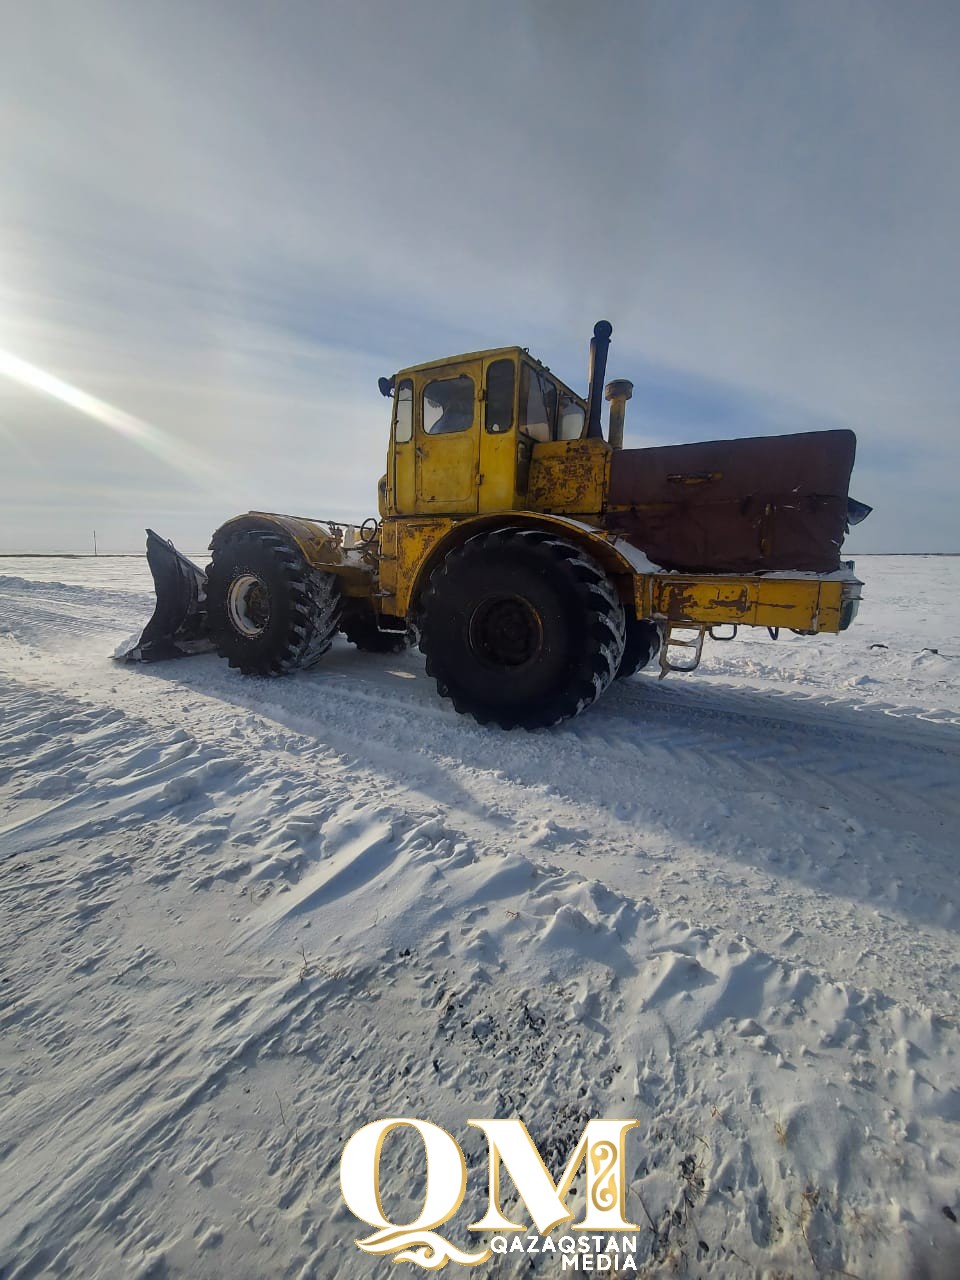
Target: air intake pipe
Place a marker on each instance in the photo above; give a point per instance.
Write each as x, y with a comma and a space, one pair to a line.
618, 393
599, 346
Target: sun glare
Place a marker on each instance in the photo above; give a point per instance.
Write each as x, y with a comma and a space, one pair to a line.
173, 452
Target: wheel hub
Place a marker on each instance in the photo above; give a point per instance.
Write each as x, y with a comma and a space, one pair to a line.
248, 605
506, 631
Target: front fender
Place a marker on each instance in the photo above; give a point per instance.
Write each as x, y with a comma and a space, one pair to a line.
317, 544
320, 547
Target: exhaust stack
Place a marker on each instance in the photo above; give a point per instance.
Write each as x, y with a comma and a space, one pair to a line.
599, 346
618, 393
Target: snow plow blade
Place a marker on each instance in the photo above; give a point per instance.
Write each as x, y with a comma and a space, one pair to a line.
178, 624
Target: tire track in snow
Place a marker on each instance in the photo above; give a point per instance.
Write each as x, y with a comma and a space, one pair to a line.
687, 801
890, 756
677, 774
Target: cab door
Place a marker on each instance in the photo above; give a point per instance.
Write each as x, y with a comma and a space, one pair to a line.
498, 438
448, 439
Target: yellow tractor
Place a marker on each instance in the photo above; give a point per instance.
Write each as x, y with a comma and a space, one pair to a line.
533, 560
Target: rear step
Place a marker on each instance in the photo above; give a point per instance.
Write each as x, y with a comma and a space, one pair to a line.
672, 641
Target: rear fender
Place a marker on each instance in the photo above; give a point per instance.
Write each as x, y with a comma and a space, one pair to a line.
621, 561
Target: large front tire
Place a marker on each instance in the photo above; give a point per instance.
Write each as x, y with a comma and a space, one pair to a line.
268, 611
521, 628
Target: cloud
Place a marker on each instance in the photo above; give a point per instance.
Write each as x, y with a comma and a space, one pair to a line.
227, 220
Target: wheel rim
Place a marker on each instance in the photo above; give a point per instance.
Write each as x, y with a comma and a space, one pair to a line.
248, 605
506, 631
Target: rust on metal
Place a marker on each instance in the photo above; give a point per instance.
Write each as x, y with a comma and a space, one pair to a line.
569, 477
801, 603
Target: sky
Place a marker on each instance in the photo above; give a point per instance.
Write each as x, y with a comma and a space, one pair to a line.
221, 222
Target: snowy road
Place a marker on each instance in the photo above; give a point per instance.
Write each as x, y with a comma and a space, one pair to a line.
243, 917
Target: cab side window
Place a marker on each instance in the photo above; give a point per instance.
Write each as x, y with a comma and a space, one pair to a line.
501, 378
538, 404
571, 419
404, 427
448, 405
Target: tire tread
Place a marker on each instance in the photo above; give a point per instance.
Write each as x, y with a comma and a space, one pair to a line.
313, 601
604, 632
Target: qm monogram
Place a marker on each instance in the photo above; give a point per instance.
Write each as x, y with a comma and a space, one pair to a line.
510, 1147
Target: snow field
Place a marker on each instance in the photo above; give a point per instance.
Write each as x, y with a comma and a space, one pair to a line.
241, 918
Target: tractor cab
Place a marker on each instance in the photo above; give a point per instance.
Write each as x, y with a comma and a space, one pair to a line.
464, 429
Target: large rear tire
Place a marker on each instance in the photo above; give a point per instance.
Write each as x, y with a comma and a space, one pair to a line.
268, 611
642, 646
521, 628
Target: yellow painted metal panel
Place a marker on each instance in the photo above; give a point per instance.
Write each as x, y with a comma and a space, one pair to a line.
805, 604
389, 530
416, 539
831, 606
498, 471
569, 477
402, 470
404, 473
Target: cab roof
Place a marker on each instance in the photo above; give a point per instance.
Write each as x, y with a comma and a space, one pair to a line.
491, 353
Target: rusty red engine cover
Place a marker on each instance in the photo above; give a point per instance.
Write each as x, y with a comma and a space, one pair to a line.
773, 502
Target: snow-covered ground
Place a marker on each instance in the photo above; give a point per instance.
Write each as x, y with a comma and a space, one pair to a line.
242, 917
